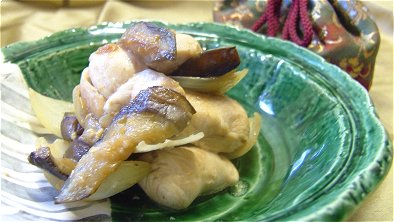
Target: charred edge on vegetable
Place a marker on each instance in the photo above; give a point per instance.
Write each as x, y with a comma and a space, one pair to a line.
42, 159
210, 63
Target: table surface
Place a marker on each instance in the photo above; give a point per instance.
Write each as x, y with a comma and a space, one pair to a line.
25, 21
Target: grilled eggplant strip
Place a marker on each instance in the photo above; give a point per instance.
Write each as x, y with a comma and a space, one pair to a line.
149, 42
42, 159
154, 115
210, 63
77, 149
70, 127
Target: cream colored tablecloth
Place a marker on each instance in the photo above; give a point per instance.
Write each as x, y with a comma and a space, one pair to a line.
31, 20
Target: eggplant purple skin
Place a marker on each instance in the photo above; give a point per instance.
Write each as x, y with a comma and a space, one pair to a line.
211, 63
150, 42
71, 131
42, 159
70, 127
156, 99
77, 149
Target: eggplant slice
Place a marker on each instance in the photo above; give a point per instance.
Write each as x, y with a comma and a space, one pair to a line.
210, 63
150, 42
156, 114
70, 127
77, 149
42, 159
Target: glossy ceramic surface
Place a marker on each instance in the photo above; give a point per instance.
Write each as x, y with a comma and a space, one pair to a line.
322, 148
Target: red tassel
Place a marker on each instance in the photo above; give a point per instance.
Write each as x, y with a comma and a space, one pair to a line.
271, 17
298, 13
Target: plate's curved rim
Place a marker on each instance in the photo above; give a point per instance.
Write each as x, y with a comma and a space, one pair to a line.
333, 210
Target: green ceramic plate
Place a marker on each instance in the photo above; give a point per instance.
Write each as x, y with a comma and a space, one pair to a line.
321, 151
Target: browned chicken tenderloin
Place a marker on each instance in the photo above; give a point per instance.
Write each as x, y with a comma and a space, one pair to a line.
155, 114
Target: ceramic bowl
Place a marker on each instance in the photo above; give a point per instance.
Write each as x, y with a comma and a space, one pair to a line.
320, 152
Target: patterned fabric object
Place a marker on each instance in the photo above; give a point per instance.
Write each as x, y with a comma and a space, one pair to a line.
343, 32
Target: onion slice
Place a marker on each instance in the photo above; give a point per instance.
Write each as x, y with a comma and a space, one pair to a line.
49, 111
142, 147
126, 175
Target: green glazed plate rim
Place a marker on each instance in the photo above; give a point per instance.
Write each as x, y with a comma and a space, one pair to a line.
345, 203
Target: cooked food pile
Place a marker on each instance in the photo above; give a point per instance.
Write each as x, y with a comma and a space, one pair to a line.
149, 109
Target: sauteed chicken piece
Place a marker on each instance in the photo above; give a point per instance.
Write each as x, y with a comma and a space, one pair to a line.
223, 121
110, 66
181, 174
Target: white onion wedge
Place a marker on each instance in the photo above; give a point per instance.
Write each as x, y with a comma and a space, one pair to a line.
142, 147
49, 111
128, 174
124, 177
